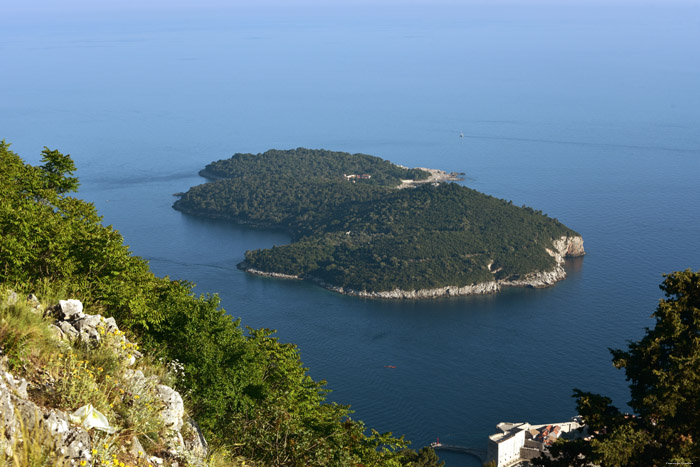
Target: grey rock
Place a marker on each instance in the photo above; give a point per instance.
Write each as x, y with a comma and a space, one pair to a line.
110, 325
194, 439
69, 331
72, 441
7, 418
87, 321
87, 327
28, 412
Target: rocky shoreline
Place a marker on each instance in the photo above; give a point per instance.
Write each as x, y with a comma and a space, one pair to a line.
436, 176
257, 272
564, 247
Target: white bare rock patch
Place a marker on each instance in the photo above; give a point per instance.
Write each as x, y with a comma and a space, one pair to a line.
174, 410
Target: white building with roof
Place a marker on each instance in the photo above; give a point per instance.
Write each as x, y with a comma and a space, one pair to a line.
520, 442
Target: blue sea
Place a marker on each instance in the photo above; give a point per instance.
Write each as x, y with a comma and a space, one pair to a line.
589, 113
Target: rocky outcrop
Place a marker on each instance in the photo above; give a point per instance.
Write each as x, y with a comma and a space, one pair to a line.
536, 279
563, 247
72, 324
22, 419
25, 422
567, 247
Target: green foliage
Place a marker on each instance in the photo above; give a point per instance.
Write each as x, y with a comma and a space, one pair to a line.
56, 170
664, 373
569, 453
23, 335
47, 235
249, 393
369, 235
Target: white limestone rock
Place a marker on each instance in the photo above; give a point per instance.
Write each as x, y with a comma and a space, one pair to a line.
174, 408
17, 386
70, 309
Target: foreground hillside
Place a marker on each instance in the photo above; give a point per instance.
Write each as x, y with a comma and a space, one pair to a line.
249, 394
76, 391
355, 232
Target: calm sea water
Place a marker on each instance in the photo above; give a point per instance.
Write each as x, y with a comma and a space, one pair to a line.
589, 114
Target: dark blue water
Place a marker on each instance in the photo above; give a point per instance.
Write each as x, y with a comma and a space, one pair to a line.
591, 114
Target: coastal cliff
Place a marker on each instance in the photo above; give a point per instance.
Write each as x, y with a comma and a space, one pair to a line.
562, 248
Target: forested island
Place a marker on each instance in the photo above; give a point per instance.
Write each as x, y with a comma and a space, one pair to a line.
355, 231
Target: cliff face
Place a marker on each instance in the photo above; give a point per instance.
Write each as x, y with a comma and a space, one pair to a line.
563, 247
567, 247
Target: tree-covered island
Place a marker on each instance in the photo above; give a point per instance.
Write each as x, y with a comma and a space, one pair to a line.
364, 226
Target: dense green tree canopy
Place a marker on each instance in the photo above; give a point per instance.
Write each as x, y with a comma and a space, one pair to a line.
364, 233
663, 369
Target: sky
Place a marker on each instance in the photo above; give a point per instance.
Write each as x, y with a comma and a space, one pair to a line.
68, 6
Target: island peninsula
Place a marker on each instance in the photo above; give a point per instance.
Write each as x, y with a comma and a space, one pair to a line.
363, 226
